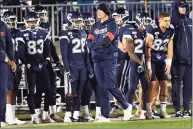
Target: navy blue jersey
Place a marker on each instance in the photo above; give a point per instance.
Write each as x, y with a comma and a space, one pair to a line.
139, 42
33, 45
13, 32
123, 30
46, 25
160, 41
73, 48
54, 55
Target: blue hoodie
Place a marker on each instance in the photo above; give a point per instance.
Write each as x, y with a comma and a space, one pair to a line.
183, 36
102, 40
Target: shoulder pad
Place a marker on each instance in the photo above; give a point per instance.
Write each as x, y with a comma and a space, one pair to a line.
171, 26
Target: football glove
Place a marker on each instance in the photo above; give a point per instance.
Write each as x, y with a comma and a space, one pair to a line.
60, 66
91, 74
140, 69
71, 77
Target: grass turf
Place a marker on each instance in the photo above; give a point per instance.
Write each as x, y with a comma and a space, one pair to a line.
156, 123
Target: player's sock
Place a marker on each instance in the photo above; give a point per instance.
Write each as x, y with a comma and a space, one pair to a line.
85, 110
33, 116
68, 114
13, 111
38, 111
45, 115
52, 109
163, 107
69, 103
76, 114
76, 100
98, 111
9, 114
148, 106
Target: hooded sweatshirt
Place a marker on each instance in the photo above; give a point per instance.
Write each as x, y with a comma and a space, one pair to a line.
183, 36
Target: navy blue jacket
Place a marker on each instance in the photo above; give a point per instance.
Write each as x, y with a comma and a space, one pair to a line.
6, 44
182, 38
102, 40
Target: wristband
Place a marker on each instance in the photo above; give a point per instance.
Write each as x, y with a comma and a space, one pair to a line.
148, 65
169, 62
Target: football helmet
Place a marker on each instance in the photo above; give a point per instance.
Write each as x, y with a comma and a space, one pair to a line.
31, 20
142, 20
88, 20
74, 20
10, 18
121, 16
42, 13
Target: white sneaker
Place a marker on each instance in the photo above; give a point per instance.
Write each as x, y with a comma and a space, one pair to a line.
36, 121
89, 118
15, 121
67, 119
97, 117
102, 119
48, 120
19, 122
127, 113
2, 124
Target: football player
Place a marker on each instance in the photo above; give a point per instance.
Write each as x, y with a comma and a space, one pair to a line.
121, 17
76, 63
159, 38
14, 77
135, 43
44, 23
91, 83
34, 52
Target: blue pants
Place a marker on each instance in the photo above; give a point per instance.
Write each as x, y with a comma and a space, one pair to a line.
3, 89
105, 72
134, 78
181, 72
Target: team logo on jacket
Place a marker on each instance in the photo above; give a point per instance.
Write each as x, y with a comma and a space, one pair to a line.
2, 34
102, 31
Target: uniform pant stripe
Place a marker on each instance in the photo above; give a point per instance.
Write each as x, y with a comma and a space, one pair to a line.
123, 72
126, 74
68, 88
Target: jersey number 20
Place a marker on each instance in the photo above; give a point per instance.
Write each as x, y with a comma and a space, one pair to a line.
35, 47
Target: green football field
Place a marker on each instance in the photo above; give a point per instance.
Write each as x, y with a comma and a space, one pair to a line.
115, 123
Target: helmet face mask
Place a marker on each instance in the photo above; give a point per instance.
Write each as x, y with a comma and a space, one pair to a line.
31, 20
77, 24
142, 20
42, 13
11, 22
10, 18
120, 15
88, 23
75, 20
43, 16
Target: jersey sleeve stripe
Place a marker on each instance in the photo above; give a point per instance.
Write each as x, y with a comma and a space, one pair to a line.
47, 37
19, 39
127, 36
64, 37
172, 36
110, 35
150, 35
